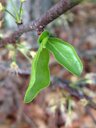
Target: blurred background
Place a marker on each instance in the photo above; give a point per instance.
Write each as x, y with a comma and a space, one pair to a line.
69, 101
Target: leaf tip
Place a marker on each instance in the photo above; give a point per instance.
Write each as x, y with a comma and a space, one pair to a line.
27, 98
80, 70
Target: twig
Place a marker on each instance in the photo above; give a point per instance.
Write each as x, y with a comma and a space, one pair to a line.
39, 24
30, 121
78, 94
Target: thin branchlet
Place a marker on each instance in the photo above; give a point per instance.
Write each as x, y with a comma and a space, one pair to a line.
39, 24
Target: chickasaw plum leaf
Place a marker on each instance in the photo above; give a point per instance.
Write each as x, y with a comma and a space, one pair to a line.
40, 75
65, 54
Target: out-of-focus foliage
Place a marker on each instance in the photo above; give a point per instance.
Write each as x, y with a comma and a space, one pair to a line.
93, 1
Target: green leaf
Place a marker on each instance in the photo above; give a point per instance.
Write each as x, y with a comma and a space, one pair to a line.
40, 76
66, 55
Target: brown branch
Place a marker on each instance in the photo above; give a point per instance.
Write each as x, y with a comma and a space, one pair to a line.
39, 24
15, 35
57, 10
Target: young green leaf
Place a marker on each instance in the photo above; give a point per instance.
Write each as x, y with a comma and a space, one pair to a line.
40, 76
65, 54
